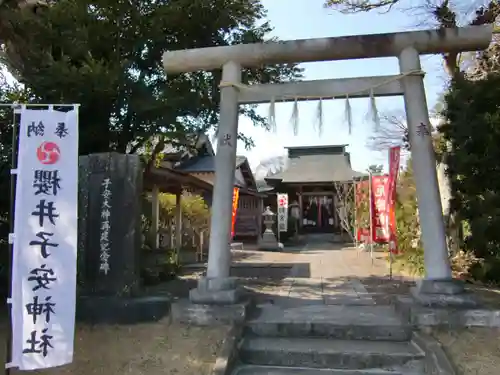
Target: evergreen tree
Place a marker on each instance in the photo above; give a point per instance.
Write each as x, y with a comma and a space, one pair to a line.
106, 55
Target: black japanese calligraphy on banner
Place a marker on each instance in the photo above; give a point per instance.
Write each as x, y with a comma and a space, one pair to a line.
45, 245
46, 182
282, 212
35, 129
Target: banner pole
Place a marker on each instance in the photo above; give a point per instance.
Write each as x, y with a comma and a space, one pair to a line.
355, 211
390, 264
12, 195
371, 213
389, 221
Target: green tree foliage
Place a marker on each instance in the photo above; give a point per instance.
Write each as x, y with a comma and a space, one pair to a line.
106, 55
411, 253
8, 94
473, 129
362, 219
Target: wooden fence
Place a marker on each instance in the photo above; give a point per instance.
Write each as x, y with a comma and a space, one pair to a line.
194, 246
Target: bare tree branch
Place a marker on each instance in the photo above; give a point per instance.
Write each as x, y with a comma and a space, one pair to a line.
357, 6
391, 133
433, 13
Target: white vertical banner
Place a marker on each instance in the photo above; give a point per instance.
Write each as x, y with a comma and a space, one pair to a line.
282, 212
45, 240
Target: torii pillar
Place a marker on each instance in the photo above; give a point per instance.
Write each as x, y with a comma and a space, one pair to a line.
217, 287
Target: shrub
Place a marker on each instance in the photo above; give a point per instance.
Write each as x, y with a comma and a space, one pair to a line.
162, 264
463, 263
411, 253
487, 270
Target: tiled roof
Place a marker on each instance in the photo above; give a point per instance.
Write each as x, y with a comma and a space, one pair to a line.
317, 168
205, 164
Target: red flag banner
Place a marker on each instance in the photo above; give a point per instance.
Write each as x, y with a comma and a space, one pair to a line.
394, 161
236, 195
380, 222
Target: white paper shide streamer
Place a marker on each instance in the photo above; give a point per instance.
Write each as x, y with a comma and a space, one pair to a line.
348, 114
272, 116
372, 115
45, 240
319, 117
373, 112
295, 118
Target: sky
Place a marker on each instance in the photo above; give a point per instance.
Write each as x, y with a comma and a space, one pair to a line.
301, 19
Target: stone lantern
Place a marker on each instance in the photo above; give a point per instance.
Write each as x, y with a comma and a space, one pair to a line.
268, 240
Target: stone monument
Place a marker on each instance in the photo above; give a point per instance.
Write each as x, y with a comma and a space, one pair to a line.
109, 236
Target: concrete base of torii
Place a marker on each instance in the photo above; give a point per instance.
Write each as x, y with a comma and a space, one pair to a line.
218, 288
218, 291
215, 301
442, 293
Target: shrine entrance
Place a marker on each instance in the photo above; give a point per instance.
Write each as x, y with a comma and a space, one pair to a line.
318, 213
217, 286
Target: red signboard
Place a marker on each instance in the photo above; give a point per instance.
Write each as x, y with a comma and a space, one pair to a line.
383, 204
380, 214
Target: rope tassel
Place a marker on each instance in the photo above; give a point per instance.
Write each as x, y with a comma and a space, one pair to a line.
295, 118
348, 113
272, 116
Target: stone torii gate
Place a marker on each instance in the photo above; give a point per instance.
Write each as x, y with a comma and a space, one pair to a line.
217, 287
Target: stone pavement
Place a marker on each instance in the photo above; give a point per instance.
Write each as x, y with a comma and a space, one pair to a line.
325, 273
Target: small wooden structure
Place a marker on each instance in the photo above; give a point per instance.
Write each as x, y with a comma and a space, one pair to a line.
316, 178
191, 169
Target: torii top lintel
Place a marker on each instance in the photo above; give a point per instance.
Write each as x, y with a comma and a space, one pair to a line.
471, 38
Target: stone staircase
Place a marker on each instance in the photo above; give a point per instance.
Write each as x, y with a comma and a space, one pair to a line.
328, 339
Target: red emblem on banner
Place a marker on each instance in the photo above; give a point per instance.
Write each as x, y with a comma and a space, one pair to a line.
48, 153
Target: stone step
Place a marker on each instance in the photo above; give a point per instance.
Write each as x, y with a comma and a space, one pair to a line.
277, 370
332, 321
328, 353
